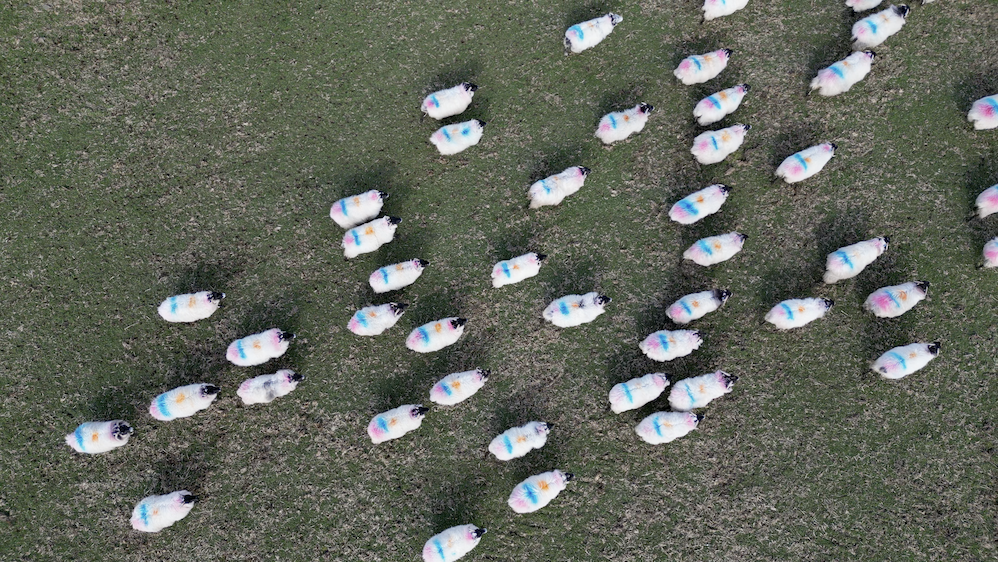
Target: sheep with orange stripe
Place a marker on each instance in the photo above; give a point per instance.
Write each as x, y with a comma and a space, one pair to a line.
844, 74
357, 209
155, 513
715, 249
190, 307
664, 427
538, 491
369, 236
697, 392
619, 125
806, 163
99, 437
396, 422
259, 348
574, 310
715, 107
436, 335
183, 402
696, 69
458, 387
517, 269
891, 302
373, 320
518, 441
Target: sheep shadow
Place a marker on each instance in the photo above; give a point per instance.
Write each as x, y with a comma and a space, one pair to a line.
382, 176
517, 241
788, 281
884, 334
979, 177
411, 241
208, 275
184, 470
455, 501
840, 228
121, 402
619, 100
791, 140
558, 159
464, 71
973, 87
587, 11
578, 278
832, 49
522, 407
204, 363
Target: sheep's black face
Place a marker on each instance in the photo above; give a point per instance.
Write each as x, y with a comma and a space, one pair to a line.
902, 10
296, 377
122, 430
699, 418
477, 533
828, 303
398, 307
585, 171
544, 428
383, 195
481, 124
745, 127
422, 263
188, 498
568, 476
215, 296
728, 52
419, 411
871, 54
645, 108
458, 322
393, 220
834, 146
722, 294
210, 390
743, 237
602, 299
541, 257
923, 286
468, 86
724, 189
745, 87
934, 347
484, 374
285, 336
729, 379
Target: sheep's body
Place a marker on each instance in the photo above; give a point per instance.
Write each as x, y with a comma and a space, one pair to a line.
259, 348
666, 345
713, 9
452, 544
991, 253
987, 202
457, 387
905, 360
452, 101
714, 146
396, 422
265, 388
794, 313
183, 402
619, 125
357, 209
844, 74
373, 320
518, 441
984, 113
435, 335
155, 513
554, 189
637, 392
538, 491
715, 249
696, 305
190, 307
876, 28
697, 392
517, 269
573, 310
663, 427
715, 107
451, 139
588, 34
893, 301
398, 275
848, 261
864, 5
806, 163
699, 204
696, 69
99, 437
369, 236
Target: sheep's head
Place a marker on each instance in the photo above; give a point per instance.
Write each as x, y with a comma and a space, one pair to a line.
121, 430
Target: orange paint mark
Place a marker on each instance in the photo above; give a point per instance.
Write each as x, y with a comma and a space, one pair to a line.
717, 245
180, 398
438, 327
725, 137
398, 267
393, 422
95, 437
903, 295
369, 230
543, 484
191, 302
696, 304
521, 439
699, 198
257, 345
702, 389
356, 200
456, 385
800, 309
912, 355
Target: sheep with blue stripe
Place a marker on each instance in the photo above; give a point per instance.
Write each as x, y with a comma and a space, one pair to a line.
452, 544
697, 392
696, 305
436, 335
696, 69
806, 163
458, 387
699, 204
451, 139
712, 147
718, 105
357, 209
844, 74
876, 28
183, 402
99, 437
991, 253
369, 236
517, 269
373, 320
554, 189
987, 202
637, 392
538, 490
398, 275
715, 249
984, 113
663, 427
618, 125
259, 348
449, 102
588, 34
848, 261
893, 301
666, 345
864, 5
574, 310
518, 441
906, 359
794, 313
713, 9
190, 307
396, 422
155, 513
265, 388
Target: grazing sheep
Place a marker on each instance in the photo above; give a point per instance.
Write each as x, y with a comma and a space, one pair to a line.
552, 190
265, 388
516, 269
451, 139
699, 204
155, 513
518, 441
637, 392
436, 335
876, 28
715, 107
715, 249
183, 402
666, 345
984, 113
457, 387
397, 275
714, 146
573, 310
804, 164
663, 427
357, 209
848, 261
696, 305
190, 307
906, 359
987, 202
696, 69
844, 74
452, 101
259, 348
619, 125
713, 9
372, 320
369, 236
396, 422
99, 437
588, 34
864, 5
538, 491
452, 544
794, 313
697, 392
991, 253
891, 302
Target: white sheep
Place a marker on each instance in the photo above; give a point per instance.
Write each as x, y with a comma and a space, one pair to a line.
265, 388
713, 9
663, 427
369, 236
716, 106
457, 387
848, 261
619, 125
891, 302
538, 490
588, 34
518, 441
696, 69
155, 513
794, 313
637, 392
876, 28
183, 402
697, 392
806, 163
373, 320
991, 253
696, 305
259, 348
452, 544
844, 74
517, 269
436, 335
984, 113
357, 209
190, 307
864, 5
99, 437
715, 249
906, 359
451, 139
573, 310
666, 345
396, 422
452, 101
714, 146
699, 204
554, 189
987, 202
398, 275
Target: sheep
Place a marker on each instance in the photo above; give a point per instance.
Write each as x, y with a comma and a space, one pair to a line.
715, 249
891, 302
697, 392
864, 5
666, 345
518, 441
714, 146
991, 253
573, 310
451, 139
715, 107
848, 261
663, 427
398, 275
457, 387
373, 320
155, 513
538, 490
357, 209
794, 313
99, 437
369, 236
517, 269
699, 204
183, 402
265, 388
190, 307
906, 359
452, 544
696, 69
452, 101
987, 202
876, 28
396, 422
806, 163
588, 34
436, 335
984, 113
713, 9
619, 125
696, 305
637, 392
259, 348
843, 75
554, 189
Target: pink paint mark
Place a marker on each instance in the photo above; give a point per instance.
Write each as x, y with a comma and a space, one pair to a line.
883, 301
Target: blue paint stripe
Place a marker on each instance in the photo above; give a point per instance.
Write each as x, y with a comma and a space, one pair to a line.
446, 389
663, 341
383, 425
360, 316
440, 549
696, 61
435, 101
343, 206
686, 307
613, 122
627, 393
509, 444
173, 305
689, 207
713, 140
239, 348
992, 102
531, 493
845, 258
873, 26
658, 428
894, 300
578, 31
161, 405
714, 101
689, 392
424, 334
384, 274
544, 184
144, 514
899, 358
505, 269
446, 133
788, 310
79, 438
466, 131
835, 68
563, 308
356, 237
705, 247
800, 159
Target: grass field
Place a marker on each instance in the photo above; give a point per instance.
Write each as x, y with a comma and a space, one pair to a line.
154, 148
